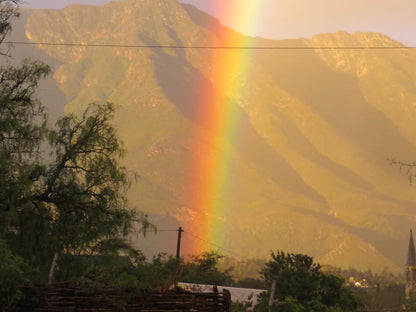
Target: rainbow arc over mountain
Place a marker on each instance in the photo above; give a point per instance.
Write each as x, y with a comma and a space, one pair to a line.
209, 176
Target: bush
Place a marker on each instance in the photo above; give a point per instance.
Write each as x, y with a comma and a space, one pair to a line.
15, 273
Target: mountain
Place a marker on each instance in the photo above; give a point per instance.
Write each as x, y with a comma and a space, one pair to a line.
309, 171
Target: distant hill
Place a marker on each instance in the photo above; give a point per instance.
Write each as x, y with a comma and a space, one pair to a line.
309, 172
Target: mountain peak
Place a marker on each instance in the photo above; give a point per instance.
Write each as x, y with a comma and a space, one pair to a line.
358, 39
307, 168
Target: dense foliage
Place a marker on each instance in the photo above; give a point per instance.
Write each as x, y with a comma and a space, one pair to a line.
382, 291
136, 272
302, 286
14, 274
62, 190
203, 269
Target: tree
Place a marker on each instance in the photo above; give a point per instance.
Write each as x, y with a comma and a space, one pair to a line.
75, 203
22, 128
85, 186
22, 131
202, 269
8, 11
62, 190
301, 286
14, 274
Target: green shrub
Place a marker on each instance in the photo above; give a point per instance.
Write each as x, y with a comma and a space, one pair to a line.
15, 273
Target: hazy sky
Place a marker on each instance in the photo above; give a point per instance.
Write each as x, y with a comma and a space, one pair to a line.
281, 19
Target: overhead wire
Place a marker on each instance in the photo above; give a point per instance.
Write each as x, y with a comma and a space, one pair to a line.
141, 46
157, 231
199, 238
213, 244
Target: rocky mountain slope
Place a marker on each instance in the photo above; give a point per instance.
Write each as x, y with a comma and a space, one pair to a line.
309, 173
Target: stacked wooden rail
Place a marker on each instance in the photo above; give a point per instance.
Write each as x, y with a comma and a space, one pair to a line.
66, 297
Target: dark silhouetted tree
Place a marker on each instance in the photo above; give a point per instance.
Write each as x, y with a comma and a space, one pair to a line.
301, 286
62, 190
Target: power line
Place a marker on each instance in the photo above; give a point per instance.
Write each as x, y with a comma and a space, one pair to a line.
201, 239
157, 231
214, 245
142, 46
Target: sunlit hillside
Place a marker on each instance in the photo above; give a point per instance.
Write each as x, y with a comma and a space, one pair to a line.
316, 127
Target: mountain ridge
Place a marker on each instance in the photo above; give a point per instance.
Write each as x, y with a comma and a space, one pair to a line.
317, 135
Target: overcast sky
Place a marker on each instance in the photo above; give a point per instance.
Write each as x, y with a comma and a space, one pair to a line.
281, 19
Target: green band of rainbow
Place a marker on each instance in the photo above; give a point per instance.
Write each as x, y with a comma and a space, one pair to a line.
209, 179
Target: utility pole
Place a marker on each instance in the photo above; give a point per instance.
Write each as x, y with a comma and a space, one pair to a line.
178, 247
53, 267
272, 291
178, 258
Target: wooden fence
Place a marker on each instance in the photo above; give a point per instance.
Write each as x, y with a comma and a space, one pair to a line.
65, 297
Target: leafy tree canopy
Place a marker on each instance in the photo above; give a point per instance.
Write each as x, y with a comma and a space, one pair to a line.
62, 190
302, 286
203, 269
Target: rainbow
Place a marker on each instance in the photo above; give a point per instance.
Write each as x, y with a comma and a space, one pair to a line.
209, 181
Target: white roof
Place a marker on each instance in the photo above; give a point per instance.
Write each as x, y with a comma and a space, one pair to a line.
237, 293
